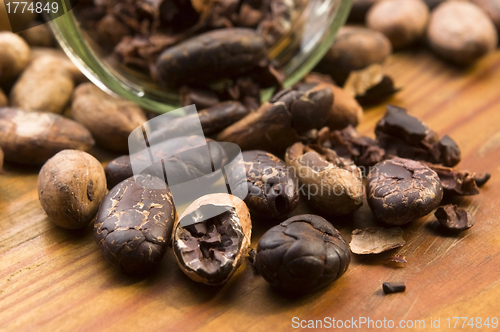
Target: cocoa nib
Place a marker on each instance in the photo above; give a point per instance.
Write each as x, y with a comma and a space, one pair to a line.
403, 135
393, 287
370, 85
456, 182
454, 218
348, 143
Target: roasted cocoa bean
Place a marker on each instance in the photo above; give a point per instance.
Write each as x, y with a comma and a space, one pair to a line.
118, 170
402, 190
272, 186
354, 48
71, 186
33, 137
461, 32
134, 224
213, 55
302, 254
345, 109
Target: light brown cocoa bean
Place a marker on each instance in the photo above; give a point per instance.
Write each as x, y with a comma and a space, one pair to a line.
109, 119
461, 32
402, 21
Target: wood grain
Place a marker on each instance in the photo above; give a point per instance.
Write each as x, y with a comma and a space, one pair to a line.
56, 280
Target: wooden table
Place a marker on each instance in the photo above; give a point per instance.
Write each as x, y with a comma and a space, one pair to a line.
56, 280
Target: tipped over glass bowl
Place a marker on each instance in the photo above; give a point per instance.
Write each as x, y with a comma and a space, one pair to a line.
304, 39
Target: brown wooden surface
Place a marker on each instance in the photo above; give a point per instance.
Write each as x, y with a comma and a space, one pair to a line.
56, 280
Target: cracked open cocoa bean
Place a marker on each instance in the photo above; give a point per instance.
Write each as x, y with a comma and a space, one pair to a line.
134, 224
272, 186
403, 135
208, 248
213, 55
281, 122
334, 185
302, 254
402, 190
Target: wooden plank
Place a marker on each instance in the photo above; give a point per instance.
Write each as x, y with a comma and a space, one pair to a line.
56, 280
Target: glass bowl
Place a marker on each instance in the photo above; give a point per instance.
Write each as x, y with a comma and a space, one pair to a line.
295, 53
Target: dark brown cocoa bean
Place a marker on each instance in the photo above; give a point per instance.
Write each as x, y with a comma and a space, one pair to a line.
302, 254
134, 224
272, 186
183, 158
214, 55
201, 98
279, 123
402, 190
118, 170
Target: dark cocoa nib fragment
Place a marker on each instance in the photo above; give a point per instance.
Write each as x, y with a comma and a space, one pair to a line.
302, 254
402, 190
213, 55
348, 143
454, 218
403, 135
134, 224
379, 92
456, 182
393, 287
272, 186
482, 179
